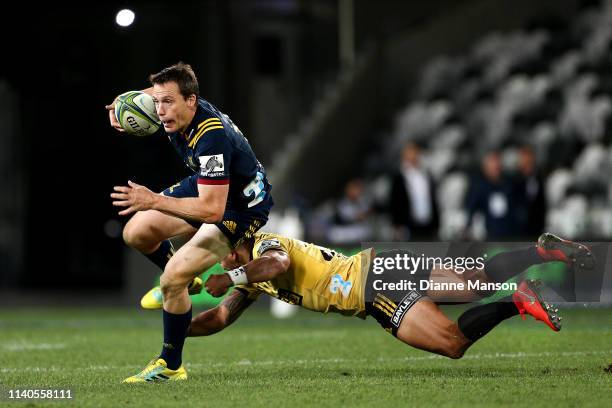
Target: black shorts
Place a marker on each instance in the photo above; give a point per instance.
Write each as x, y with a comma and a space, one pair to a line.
390, 306
236, 225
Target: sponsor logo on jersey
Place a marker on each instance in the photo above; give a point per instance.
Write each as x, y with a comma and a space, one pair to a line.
403, 306
338, 283
212, 166
230, 225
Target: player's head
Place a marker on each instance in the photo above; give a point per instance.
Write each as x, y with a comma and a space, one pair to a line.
240, 255
175, 93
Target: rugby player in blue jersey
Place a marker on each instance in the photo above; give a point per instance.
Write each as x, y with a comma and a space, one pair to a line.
226, 200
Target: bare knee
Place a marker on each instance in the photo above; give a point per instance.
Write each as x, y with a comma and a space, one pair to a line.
456, 344
450, 349
178, 273
172, 284
454, 351
139, 237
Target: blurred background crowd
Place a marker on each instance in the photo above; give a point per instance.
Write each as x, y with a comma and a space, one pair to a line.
503, 141
376, 121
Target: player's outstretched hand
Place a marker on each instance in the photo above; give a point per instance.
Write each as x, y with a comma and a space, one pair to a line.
113, 119
217, 285
133, 196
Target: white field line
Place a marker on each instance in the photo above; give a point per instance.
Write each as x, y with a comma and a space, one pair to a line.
318, 361
25, 346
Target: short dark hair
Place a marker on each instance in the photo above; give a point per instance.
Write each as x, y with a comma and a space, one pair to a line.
180, 73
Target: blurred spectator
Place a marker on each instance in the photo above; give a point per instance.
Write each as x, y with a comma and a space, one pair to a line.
351, 215
354, 207
414, 212
494, 195
530, 191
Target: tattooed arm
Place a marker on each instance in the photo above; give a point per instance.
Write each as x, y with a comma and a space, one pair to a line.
218, 318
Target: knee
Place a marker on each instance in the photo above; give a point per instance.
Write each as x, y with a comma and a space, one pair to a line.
454, 351
171, 285
134, 236
176, 277
456, 344
141, 237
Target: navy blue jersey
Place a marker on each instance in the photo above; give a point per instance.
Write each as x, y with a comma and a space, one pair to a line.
214, 148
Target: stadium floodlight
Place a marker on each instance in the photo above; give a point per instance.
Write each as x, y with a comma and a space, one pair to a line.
125, 17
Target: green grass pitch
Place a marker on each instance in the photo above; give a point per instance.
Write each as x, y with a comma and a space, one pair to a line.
310, 360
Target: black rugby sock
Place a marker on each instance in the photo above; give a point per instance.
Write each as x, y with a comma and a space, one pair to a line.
175, 331
161, 255
478, 321
506, 265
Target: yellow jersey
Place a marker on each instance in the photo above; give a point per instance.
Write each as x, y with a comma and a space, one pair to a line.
318, 278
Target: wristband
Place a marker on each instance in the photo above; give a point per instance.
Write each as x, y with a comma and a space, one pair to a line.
238, 276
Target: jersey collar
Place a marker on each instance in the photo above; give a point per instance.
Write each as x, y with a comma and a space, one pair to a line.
188, 133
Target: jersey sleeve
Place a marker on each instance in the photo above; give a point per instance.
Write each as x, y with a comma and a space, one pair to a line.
266, 244
214, 152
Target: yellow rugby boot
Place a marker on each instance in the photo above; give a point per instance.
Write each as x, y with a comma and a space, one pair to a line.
157, 371
153, 299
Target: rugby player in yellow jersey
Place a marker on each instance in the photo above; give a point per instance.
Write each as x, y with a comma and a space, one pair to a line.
323, 280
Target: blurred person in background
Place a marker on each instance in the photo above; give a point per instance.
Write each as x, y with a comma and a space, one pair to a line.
350, 223
413, 207
493, 195
530, 191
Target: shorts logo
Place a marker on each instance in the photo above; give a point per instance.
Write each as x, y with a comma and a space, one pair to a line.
172, 187
289, 297
407, 302
212, 166
338, 283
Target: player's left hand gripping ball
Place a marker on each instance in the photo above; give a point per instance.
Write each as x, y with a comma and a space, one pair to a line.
133, 196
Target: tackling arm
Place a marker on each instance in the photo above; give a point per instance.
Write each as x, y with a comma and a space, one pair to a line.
268, 266
214, 320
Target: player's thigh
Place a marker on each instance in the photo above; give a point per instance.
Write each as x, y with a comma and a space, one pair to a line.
155, 226
207, 247
426, 327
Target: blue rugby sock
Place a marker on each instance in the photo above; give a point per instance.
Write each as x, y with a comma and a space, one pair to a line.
175, 331
161, 255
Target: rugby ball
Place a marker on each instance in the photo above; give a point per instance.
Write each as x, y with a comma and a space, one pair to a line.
135, 112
